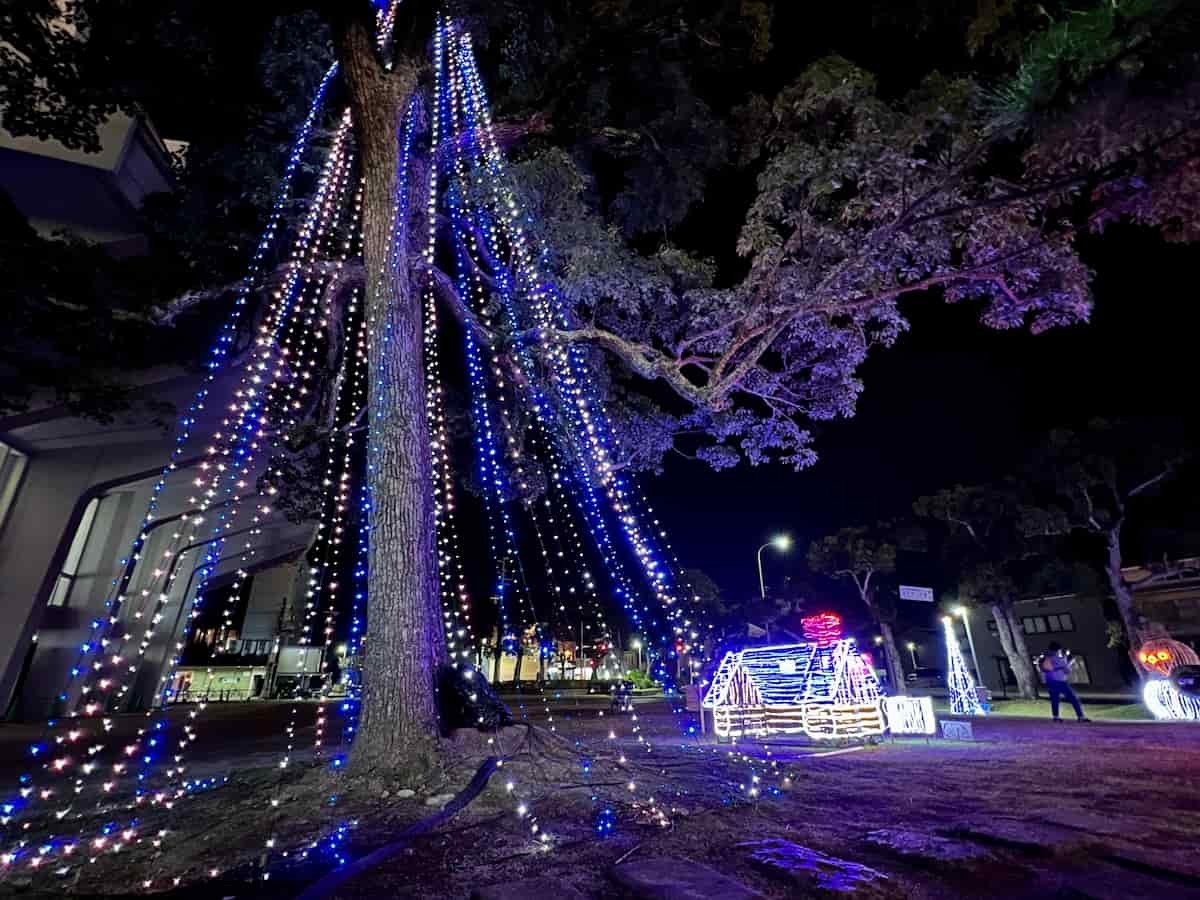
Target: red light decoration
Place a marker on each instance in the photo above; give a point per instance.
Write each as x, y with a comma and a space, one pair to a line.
1161, 656
823, 628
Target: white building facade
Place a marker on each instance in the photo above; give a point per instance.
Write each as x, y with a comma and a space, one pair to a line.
74, 492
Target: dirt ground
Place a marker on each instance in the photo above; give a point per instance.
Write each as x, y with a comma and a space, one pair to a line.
1029, 809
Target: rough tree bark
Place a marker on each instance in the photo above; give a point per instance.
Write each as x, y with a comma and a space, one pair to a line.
1021, 649
892, 653
1018, 657
404, 639
1123, 596
894, 663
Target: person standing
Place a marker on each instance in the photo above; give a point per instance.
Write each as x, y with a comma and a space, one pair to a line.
1056, 668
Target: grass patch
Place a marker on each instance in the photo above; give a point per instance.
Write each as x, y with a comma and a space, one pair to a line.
1040, 709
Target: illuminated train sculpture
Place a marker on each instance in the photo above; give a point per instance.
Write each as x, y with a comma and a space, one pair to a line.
822, 688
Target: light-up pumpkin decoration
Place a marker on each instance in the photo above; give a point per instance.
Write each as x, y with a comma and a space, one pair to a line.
1161, 656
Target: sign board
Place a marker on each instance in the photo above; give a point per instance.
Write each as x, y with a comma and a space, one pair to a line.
920, 594
957, 731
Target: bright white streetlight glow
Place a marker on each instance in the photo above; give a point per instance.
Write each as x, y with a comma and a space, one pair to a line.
781, 542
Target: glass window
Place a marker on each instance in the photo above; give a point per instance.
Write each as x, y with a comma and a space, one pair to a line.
12, 467
1060, 622
1034, 624
1079, 673
66, 578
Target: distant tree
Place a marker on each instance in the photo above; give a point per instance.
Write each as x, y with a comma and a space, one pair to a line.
708, 601
987, 549
864, 557
1092, 481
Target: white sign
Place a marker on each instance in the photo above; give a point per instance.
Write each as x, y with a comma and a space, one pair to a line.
921, 594
957, 731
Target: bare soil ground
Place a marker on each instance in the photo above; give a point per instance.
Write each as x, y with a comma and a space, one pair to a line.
1048, 810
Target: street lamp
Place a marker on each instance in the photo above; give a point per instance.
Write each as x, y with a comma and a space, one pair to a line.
782, 543
637, 645
912, 651
964, 613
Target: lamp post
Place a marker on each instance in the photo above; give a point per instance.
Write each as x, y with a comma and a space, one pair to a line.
912, 651
887, 663
782, 543
964, 613
637, 645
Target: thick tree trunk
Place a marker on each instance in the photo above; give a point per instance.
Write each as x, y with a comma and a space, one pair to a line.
891, 652
1123, 596
404, 641
1022, 649
1018, 657
894, 662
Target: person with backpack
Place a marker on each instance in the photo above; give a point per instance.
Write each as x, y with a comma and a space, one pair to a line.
1055, 670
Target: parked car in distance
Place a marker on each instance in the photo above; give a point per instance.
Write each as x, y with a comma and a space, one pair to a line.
925, 677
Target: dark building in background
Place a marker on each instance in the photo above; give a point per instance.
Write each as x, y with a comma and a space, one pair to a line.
73, 492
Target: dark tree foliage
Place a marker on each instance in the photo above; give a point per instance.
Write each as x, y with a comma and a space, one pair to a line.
993, 560
865, 557
1092, 482
735, 221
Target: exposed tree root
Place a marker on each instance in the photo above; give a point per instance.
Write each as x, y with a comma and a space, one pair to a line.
331, 882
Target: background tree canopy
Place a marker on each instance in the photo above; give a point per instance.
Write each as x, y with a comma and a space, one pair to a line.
733, 198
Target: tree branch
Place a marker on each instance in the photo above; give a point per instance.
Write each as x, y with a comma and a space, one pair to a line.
1151, 482
643, 359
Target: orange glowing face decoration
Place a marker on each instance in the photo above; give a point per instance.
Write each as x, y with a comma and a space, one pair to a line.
1161, 656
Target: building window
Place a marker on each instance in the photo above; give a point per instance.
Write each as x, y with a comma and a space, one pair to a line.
1079, 673
61, 594
1060, 622
12, 467
1048, 624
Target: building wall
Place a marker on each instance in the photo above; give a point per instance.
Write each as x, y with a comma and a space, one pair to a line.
67, 461
95, 196
70, 461
41, 523
1083, 633
1176, 606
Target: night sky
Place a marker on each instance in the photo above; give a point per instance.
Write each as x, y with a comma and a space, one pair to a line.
955, 402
